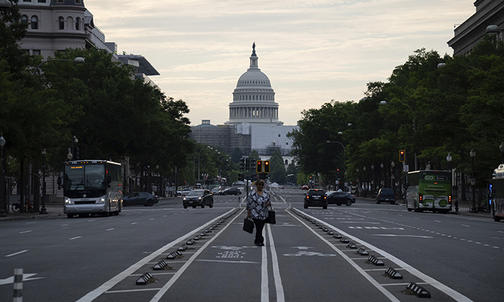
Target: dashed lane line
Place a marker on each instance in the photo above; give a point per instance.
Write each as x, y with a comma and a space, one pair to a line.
16, 253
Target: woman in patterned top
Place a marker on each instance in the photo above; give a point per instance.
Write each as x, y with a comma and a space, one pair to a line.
258, 202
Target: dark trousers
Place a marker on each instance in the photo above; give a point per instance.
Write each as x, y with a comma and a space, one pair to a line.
259, 225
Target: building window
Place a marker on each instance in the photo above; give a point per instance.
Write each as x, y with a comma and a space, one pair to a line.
279, 135
61, 21
24, 19
26, 0
70, 23
286, 162
36, 52
77, 23
41, 1
34, 22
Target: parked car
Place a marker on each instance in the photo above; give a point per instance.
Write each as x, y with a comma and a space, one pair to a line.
139, 198
340, 197
315, 197
385, 194
216, 190
305, 187
198, 197
231, 191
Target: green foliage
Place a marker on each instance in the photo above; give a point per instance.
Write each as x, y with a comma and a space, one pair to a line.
277, 168
427, 110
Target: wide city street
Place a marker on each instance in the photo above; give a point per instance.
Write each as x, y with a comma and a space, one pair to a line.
362, 252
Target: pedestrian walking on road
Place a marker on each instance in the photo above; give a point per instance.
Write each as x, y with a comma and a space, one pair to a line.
258, 202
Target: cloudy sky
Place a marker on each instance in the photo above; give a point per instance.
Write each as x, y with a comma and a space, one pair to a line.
312, 51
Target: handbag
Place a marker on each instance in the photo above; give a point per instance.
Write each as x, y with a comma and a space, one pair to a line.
271, 216
248, 225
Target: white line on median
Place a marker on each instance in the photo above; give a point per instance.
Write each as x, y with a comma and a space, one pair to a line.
375, 283
276, 269
264, 272
181, 270
24, 232
76, 237
133, 268
433, 282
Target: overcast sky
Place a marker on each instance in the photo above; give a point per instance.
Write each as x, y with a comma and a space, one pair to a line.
312, 51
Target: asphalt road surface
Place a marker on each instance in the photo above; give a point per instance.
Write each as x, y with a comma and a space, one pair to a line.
309, 255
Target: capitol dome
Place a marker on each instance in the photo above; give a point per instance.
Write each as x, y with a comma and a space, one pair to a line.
253, 97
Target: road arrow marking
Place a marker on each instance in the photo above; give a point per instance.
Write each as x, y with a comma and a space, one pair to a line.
26, 277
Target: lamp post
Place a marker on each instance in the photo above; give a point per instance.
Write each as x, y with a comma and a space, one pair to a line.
75, 141
453, 181
472, 154
44, 158
392, 176
3, 207
501, 148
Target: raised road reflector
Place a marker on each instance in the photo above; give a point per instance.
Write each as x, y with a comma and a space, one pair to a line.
144, 279
372, 259
344, 240
182, 248
352, 246
337, 236
362, 251
392, 273
330, 233
418, 290
161, 265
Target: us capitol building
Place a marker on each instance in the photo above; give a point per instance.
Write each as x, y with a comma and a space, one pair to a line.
253, 119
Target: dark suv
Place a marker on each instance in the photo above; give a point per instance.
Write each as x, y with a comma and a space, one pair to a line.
198, 197
315, 197
385, 194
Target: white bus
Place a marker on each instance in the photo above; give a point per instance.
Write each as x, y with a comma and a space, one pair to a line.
496, 193
92, 187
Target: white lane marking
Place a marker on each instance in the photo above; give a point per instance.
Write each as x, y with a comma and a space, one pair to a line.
111, 229
76, 237
26, 277
133, 223
24, 232
133, 268
395, 235
371, 280
276, 270
181, 270
264, 272
465, 225
227, 261
16, 253
402, 284
131, 290
440, 286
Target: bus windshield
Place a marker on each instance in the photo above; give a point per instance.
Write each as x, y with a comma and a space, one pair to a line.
84, 177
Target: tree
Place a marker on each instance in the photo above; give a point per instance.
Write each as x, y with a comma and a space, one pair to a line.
277, 168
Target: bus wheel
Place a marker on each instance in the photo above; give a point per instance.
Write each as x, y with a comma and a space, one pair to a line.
185, 207
202, 206
497, 218
409, 210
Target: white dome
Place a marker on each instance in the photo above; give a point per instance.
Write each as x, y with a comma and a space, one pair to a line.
253, 77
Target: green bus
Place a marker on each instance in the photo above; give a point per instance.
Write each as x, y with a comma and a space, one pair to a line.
496, 193
429, 190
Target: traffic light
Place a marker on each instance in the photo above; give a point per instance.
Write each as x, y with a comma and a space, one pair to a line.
402, 155
266, 166
259, 166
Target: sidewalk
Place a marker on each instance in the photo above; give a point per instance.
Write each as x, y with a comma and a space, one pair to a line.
464, 209
56, 211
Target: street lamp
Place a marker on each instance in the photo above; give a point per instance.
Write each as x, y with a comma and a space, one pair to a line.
3, 207
69, 154
501, 148
44, 158
472, 154
454, 183
76, 146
